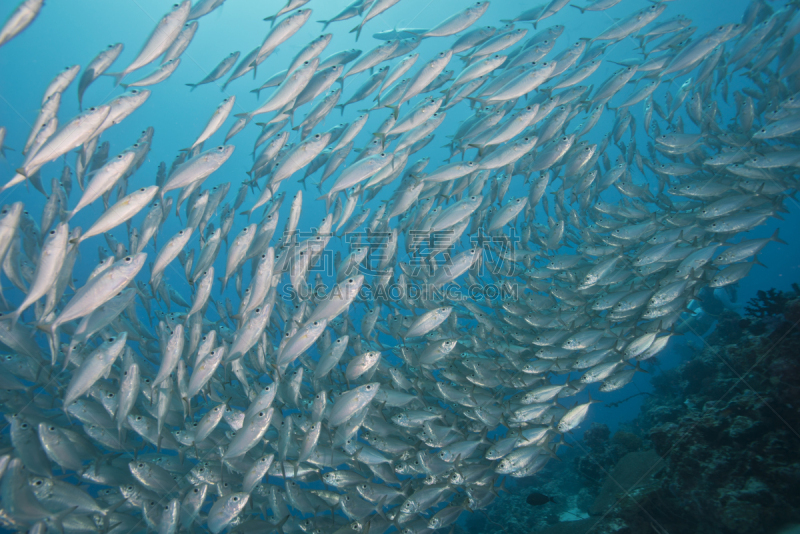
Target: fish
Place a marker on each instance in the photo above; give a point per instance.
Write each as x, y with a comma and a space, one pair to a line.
537, 499
458, 22
280, 33
203, 8
97, 67
161, 38
508, 228
72, 135
376, 7
25, 13
218, 71
160, 74
216, 120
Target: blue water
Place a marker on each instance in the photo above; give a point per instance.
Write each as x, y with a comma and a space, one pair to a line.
69, 32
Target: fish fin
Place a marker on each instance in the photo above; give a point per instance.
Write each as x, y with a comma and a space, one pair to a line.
478, 100
777, 239
357, 29
59, 519
111, 509
116, 75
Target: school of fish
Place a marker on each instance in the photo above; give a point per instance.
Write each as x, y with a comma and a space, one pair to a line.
374, 397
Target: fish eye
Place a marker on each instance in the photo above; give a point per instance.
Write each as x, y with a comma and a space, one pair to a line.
92, 109
128, 259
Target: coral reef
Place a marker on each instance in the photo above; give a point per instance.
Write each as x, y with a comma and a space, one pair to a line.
715, 448
726, 424
771, 302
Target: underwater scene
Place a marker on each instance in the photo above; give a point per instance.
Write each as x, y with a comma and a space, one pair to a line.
413, 266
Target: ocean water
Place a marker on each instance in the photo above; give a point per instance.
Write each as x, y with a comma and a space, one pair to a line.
72, 32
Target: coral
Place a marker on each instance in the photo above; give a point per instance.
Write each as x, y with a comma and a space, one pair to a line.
731, 455
791, 311
723, 423
729, 328
634, 470
596, 437
770, 302
627, 441
714, 449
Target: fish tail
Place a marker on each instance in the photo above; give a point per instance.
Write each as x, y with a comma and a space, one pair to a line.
579, 8
777, 239
324, 23
116, 75
340, 107
58, 519
111, 509
15, 317
193, 86
381, 136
